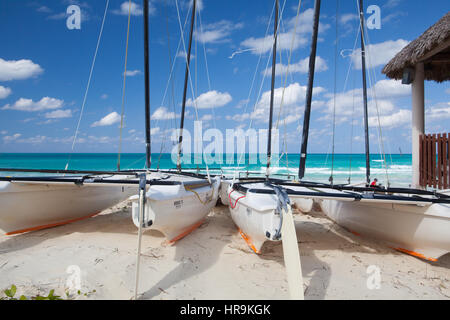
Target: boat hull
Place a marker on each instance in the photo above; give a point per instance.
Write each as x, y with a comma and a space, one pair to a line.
176, 210
303, 204
422, 231
255, 216
223, 191
33, 206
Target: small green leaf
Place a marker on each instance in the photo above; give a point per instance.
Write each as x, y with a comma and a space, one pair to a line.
13, 290
22, 297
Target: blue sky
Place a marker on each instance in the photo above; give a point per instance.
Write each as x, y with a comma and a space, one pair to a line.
44, 69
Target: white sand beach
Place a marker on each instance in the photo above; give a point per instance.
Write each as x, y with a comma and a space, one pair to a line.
213, 262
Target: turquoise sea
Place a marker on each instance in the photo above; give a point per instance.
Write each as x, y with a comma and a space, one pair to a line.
318, 167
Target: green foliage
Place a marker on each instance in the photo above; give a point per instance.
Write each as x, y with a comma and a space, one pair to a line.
10, 293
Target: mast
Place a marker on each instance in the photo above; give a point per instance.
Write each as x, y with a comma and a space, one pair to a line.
186, 77
309, 92
274, 61
147, 90
366, 116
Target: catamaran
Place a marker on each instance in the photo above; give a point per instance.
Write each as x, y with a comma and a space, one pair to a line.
178, 201
410, 220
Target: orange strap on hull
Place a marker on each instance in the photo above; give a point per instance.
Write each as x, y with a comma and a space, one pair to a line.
249, 241
185, 233
50, 225
415, 254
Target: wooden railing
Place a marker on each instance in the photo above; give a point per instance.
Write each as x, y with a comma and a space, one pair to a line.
434, 161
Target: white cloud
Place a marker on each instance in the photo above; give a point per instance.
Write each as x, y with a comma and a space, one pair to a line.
104, 96
396, 119
264, 45
59, 114
188, 4
347, 17
384, 90
391, 4
134, 9
14, 137
239, 117
107, 120
155, 130
294, 98
132, 73
301, 38
291, 118
391, 89
293, 94
439, 112
44, 9
378, 54
447, 91
3, 132
4, 92
58, 16
217, 32
95, 139
206, 117
29, 105
210, 99
162, 113
300, 67
182, 54
18, 69
33, 140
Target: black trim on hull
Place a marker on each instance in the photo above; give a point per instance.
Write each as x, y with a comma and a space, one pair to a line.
354, 193
90, 172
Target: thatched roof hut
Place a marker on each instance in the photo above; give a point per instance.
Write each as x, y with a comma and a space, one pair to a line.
432, 48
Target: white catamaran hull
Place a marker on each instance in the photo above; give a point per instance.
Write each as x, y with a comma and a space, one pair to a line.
38, 205
422, 231
302, 204
176, 210
223, 191
254, 215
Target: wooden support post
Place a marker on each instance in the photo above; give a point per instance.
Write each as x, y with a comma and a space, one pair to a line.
418, 115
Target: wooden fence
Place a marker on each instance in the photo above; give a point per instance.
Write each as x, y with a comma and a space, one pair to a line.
434, 161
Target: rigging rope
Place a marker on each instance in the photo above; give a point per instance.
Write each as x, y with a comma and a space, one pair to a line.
254, 79
207, 68
263, 80
192, 88
88, 84
380, 134
123, 89
351, 135
335, 90
285, 83
171, 84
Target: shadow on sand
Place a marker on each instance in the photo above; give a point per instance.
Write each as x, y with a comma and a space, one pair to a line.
313, 236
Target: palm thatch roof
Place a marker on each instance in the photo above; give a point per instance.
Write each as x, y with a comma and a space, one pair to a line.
432, 48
